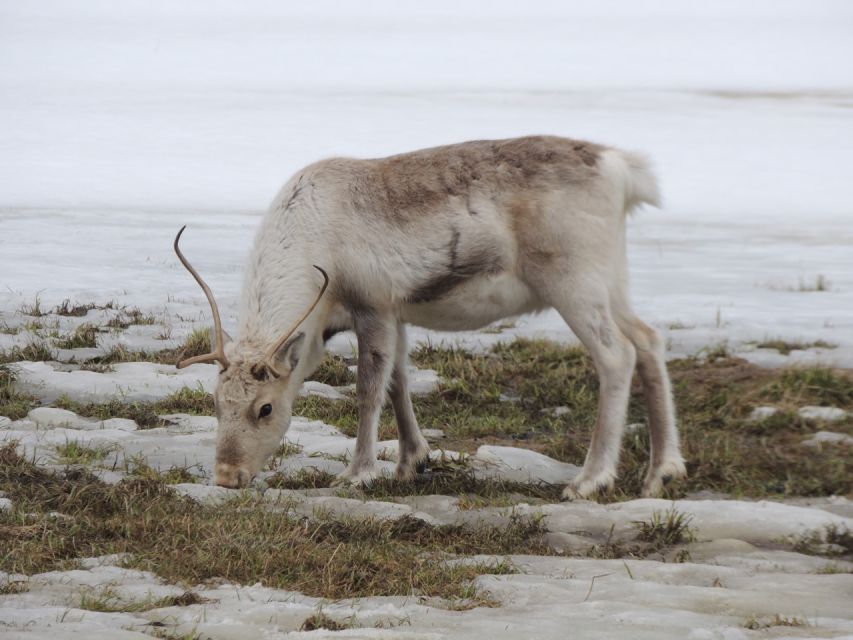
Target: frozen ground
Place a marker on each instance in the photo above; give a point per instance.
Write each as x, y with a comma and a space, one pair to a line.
120, 124
738, 579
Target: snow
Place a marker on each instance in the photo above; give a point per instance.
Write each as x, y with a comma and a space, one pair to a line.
520, 465
121, 124
828, 437
827, 414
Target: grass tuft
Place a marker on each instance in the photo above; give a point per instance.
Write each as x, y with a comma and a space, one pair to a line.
66, 308
86, 335
333, 371
75, 452
665, 529
35, 309
13, 404
33, 351
320, 620
147, 415
754, 622
108, 600
785, 347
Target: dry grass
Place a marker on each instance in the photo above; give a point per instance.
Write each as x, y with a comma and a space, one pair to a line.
75, 452
33, 351
188, 543
86, 335
665, 529
13, 404
195, 344
714, 396
108, 600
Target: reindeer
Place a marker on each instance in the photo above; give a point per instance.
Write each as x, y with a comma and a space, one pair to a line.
449, 238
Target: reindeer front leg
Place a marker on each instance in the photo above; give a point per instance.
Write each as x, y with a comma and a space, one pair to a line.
377, 337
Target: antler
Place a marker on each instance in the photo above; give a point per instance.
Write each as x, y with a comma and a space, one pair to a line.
219, 352
271, 353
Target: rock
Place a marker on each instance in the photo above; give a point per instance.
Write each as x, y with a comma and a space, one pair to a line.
520, 465
5, 422
429, 434
827, 414
5, 504
828, 437
762, 413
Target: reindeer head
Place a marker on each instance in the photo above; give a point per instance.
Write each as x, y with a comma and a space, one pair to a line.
253, 395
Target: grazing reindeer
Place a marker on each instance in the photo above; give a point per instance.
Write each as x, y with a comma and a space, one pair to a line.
450, 238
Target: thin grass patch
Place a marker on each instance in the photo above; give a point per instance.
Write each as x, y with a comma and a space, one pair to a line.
665, 529
832, 541
75, 452
34, 309
109, 600
84, 336
462, 482
13, 404
33, 351
333, 371
196, 343
143, 413
146, 414
301, 479
320, 620
785, 347
128, 316
778, 620
77, 310
9, 331
138, 467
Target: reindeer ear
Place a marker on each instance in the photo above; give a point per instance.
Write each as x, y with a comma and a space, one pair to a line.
288, 354
225, 339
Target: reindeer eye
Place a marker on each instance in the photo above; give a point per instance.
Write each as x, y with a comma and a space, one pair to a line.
265, 411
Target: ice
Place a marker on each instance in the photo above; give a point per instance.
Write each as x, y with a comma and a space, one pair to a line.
828, 437
762, 413
827, 414
520, 465
139, 381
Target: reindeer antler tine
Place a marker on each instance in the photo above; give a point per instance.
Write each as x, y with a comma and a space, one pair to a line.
219, 352
295, 325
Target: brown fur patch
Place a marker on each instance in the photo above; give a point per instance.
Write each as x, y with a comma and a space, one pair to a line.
420, 180
229, 451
